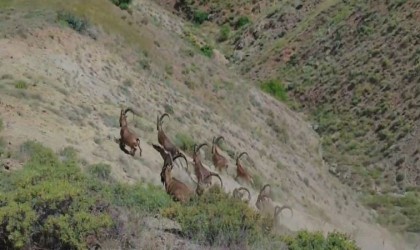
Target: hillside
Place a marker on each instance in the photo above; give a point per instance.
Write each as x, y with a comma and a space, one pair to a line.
68, 67
353, 68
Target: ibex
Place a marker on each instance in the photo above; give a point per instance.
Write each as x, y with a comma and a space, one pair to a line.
203, 175
174, 187
241, 171
238, 195
128, 137
265, 205
164, 154
163, 139
219, 161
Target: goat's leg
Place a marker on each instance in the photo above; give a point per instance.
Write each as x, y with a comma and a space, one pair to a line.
122, 147
133, 151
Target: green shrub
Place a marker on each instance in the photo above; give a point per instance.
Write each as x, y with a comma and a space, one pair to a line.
407, 207
1, 125
75, 22
200, 16
224, 33
184, 142
21, 85
47, 203
242, 21
275, 88
145, 198
216, 219
207, 51
101, 171
308, 240
123, 4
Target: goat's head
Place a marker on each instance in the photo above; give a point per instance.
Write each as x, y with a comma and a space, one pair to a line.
238, 195
266, 190
239, 156
123, 116
165, 155
196, 150
215, 142
159, 121
278, 209
201, 186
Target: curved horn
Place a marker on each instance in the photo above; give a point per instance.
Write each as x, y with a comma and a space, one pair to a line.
263, 190
128, 110
278, 209
239, 156
218, 176
199, 146
247, 190
163, 116
219, 138
181, 155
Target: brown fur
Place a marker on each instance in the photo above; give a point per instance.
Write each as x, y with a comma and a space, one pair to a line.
163, 139
128, 137
241, 172
219, 161
203, 175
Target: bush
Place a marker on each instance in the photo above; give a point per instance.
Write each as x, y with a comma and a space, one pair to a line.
224, 33
145, 198
184, 142
21, 85
216, 219
48, 203
200, 16
242, 21
79, 24
308, 240
101, 171
207, 51
123, 4
276, 89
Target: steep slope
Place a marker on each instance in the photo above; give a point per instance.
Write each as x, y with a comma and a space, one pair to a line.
353, 67
64, 88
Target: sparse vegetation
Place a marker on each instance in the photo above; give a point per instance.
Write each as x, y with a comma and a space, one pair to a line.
21, 85
224, 33
184, 142
309, 240
276, 89
207, 51
79, 24
123, 4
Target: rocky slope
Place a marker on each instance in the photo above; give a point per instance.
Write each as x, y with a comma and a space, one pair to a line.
63, 85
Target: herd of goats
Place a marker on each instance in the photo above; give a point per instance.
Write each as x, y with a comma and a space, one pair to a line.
178, 190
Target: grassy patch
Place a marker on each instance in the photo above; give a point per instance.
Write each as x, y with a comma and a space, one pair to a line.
215, 219
276, 89
401, 212
79, 24
224, 33
21, 85
207, 51
43, 201
123, 4
309, 240
184, 142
